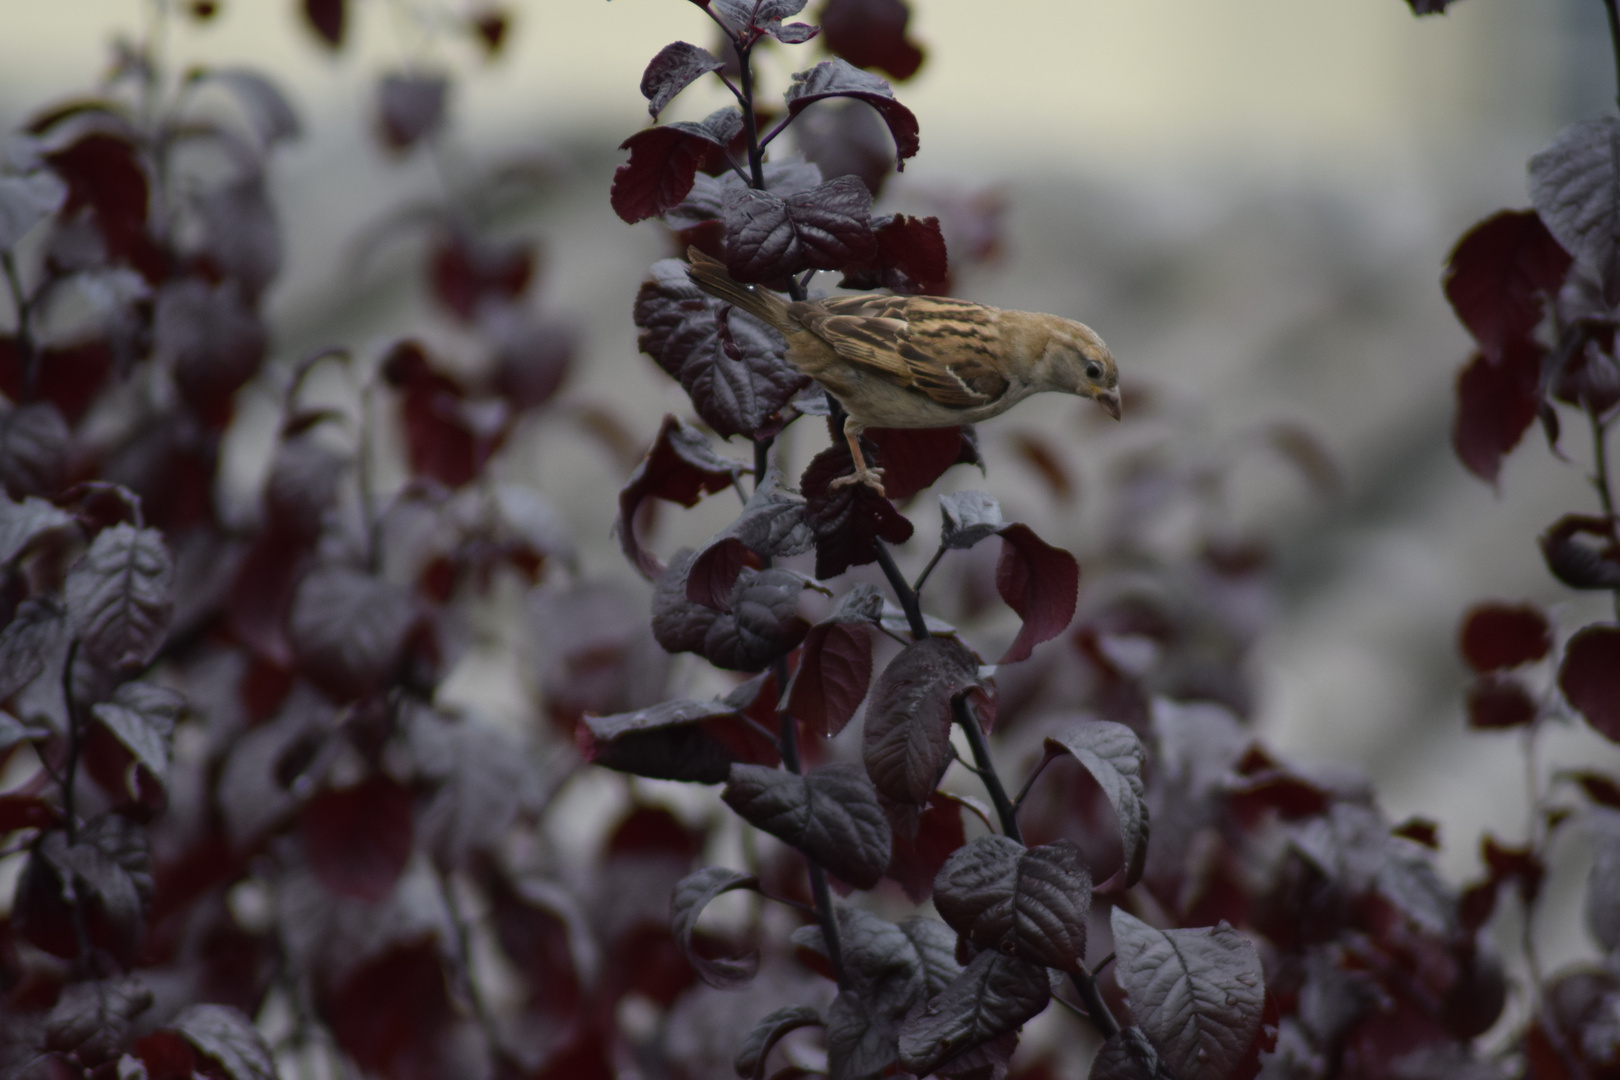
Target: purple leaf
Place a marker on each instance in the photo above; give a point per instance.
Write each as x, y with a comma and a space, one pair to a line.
1029, 902
1197, 993
34, 632
872, 34
769, 237
33, 449
22, 523
792, 33
691, 896
1041, 583
410, 107
886, 970
1114, 757
25, 201
1590, 677
847, 138
142, 716
265, 106
692, 741
834, 672
913, 458
847, 521
1496, 636
831, 814
1498, 276
907, 739
91, 1021
243, 236
766, 1033
479, 772
664, 162
994, 995
229, 1038
743, 15
908, 258
676, 67
966, 517
1128, 1055
348, 630
119, 597
213, 338
1575, 187
729, 363
1578, 564
759, 623
838, 78
681, 468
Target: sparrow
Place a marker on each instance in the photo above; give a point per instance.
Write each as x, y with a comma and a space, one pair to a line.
921, 361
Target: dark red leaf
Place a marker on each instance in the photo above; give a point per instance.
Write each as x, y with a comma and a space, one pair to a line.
676, 67
465, 271
532, 360
915, 861
838, 78
1601, 789
769, 237
1429, 7
69, 376
872, 34
26, 812
1496, 636
653, 830
693, 741
1496, 403
1041, 583
410, 107
1498, 276
909, 258
1522, 866
326, 18
1420, 830
1499, 701
1590, 677
906, 742
681, 468
913, 458
448, 438
1578, 564
105, 173
390, 1014
846, 139
835, 669
491, 26
358, 839
664, 162
847, 521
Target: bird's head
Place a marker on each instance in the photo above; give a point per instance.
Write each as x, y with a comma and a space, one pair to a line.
1076, 361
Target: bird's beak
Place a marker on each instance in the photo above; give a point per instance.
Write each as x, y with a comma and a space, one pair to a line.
1109, 400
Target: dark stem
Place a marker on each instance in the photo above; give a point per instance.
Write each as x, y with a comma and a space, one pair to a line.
902, 592
464, 972
1600, 475
70, 771
762, 459
1005, 811
775, 131
1023, 792
1614, 39
922, 578
756, 155
1097, 1010
25, 335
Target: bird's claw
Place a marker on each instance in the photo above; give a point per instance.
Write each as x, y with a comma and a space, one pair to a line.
870, 477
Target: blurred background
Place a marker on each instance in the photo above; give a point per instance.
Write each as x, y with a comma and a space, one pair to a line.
1251, 200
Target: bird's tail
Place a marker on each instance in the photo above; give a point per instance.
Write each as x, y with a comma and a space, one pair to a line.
710, 275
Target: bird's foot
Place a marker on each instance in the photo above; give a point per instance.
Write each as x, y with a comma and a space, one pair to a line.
872, 478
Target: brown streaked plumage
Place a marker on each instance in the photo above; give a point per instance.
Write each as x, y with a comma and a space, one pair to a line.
922, 361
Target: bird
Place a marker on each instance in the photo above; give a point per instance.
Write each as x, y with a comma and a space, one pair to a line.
921, 361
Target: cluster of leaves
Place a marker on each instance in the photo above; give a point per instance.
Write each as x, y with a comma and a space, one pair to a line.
1538, 290
244, 830
1277, 925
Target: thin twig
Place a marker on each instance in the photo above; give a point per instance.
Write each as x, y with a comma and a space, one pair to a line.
922, 578
464, 971
1614, 39
1005, 811
902, 592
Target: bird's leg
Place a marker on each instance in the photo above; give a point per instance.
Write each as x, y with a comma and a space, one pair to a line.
863, 473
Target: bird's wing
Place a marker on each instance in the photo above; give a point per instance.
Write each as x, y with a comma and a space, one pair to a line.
943, 348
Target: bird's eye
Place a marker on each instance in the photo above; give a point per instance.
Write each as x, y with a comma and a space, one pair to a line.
1094, 371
